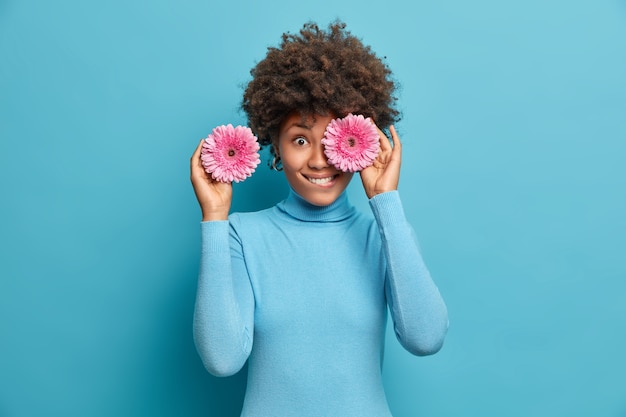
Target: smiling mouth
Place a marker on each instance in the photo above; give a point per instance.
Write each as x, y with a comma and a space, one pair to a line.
321, 181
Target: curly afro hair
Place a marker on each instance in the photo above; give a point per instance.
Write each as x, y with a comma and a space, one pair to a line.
318, 72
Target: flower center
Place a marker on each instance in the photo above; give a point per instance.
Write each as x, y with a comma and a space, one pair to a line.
351, 142
231, 152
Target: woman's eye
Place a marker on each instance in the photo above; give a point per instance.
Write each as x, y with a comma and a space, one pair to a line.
300, 141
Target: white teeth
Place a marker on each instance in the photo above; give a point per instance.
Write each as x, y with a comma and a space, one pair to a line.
320, 180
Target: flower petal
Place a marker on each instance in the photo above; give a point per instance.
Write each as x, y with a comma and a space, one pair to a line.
230, 153
351, 143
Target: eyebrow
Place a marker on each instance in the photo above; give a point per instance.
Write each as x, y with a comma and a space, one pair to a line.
300, 125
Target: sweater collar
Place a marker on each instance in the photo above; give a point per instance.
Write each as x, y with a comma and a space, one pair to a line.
297, 207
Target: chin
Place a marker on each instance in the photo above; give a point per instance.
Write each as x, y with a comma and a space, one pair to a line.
321, 201
321, 197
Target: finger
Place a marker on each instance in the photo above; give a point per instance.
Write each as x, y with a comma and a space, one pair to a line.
397, 145
196, 152
197, 170
195, 158
385, 145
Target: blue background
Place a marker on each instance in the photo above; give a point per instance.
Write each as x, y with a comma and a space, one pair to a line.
514, 178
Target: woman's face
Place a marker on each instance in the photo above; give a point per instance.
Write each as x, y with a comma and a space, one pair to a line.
305, 164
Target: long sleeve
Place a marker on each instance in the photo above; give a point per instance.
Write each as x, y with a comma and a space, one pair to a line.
224, 310
418, 311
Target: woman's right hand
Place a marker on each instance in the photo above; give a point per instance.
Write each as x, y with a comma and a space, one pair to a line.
213, 196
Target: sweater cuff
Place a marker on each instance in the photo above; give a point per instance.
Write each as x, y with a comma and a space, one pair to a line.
387, 209
215, 236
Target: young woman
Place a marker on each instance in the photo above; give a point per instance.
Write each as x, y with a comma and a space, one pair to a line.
301, 290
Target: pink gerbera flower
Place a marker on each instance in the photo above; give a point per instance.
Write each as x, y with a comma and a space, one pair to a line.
230, 153
351, 143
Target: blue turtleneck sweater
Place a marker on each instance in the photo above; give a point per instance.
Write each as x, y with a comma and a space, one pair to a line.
301, 293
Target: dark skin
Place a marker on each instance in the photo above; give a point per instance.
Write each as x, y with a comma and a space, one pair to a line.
215, 197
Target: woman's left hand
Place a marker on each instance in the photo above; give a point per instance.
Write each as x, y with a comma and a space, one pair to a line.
384, 174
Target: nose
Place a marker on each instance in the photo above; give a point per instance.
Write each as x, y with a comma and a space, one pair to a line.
318, 159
